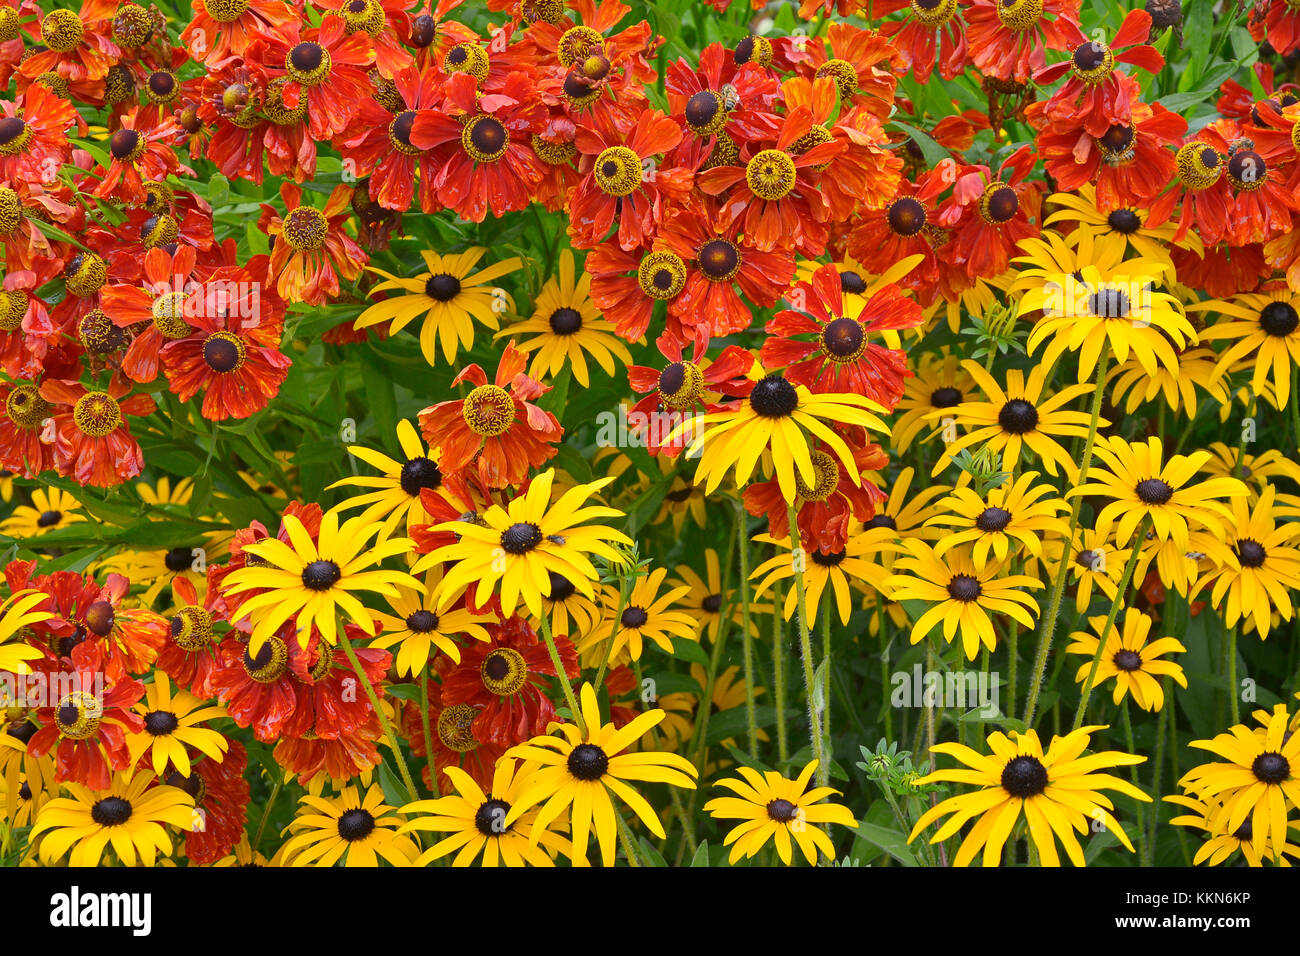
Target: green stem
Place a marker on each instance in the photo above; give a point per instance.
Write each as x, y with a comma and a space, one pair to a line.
625, 837
1133, 777
778, 677
805, 645
266, 813
1234, 689
428, 730
1155, 780
1048, 629
747, 639
569, 697
1121, 594
393, 745
823, 773
1013, 652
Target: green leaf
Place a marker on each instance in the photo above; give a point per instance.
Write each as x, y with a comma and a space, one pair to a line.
932, 151
218, 190
891, 841
701, 857
733, 723
689, 651
404, 691
649, 855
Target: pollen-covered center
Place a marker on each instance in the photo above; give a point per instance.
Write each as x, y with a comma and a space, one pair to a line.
504, 671
321, 575
399, 133
305, 228
521, 537
774, 397
1019, 15
308, 63
85, 274
906, 216
96, 414
62, 31
488, 411
485, 139
14, 135
225, 11
843, 73
618, 171
168, 312
933, 12
999, 204
456, 728
26, 408
1092, 62
1024, 777
661, 275
1199, 165
1118, 144
705, 113
770, 174
827, 475
1247, 170
191, 628
271, 662
224, 352
588, 762
680, 385
719, 260
77, 715
844, 340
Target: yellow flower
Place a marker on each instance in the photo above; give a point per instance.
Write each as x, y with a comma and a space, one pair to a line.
355, 829
171, 725
582, 772
960, 595
316, 579
775, 808
566, 325
1129, 659
476, 822
450, 296
1057, 792
131, 815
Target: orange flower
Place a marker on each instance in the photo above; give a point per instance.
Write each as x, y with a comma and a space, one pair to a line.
312, 249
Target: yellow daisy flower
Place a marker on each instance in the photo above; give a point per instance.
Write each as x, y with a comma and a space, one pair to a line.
1056, 792
1129, 659
776, 808
565, 327
450, 297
